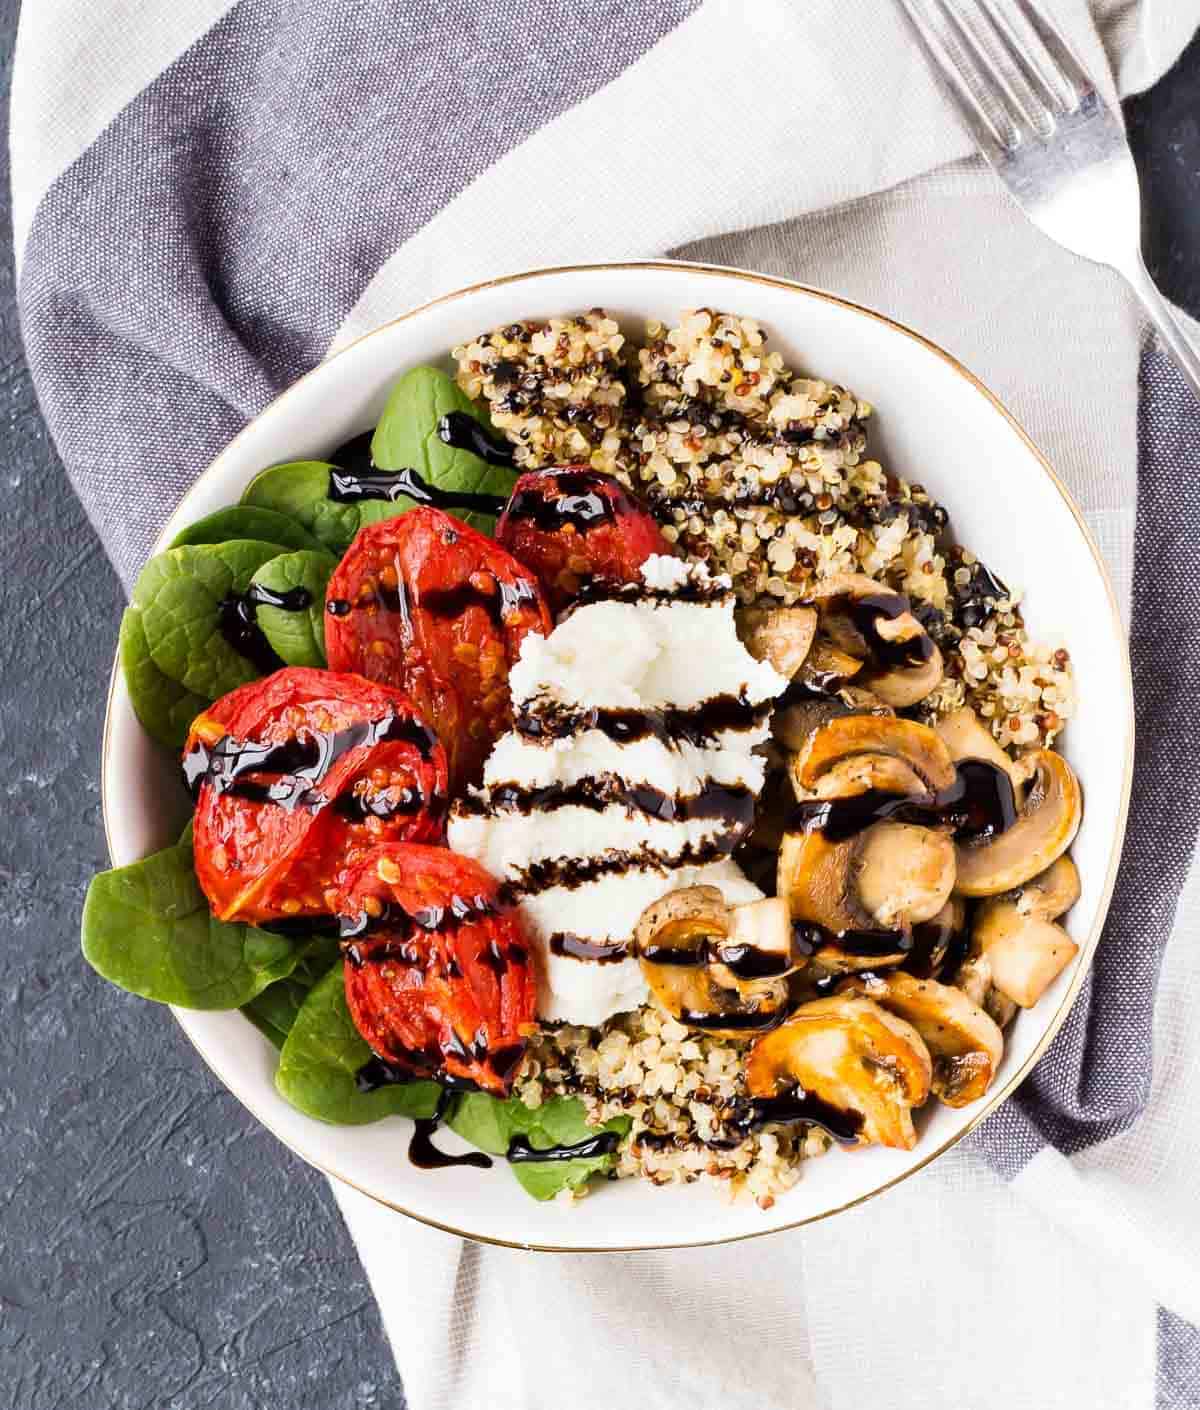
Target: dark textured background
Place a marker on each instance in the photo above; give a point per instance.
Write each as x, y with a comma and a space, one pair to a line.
157, 1248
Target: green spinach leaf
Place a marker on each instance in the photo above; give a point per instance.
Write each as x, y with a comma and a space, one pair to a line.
407, 437
489, 1123
164, 707
148, 928
273, 1012
179, 593
300, 489
298, 638
245, 521
320, 1056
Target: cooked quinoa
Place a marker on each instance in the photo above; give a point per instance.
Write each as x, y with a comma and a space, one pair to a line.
762, 473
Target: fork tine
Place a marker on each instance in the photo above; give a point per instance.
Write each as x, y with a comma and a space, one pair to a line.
1058, 54
990, 125
994, 52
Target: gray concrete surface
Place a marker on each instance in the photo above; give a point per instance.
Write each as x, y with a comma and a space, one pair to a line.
157, 1248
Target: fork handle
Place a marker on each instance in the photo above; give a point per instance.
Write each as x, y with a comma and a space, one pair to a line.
1159, 313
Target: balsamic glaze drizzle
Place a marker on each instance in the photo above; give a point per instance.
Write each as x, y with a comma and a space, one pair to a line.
425, 1155
521, 1152
570, 872
694, 724
461, 431
578, 947
799, 1106
978, 805
353, 486
732, 803
237, 621
302, 763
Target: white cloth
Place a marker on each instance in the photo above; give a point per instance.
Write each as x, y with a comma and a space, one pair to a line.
954, 1288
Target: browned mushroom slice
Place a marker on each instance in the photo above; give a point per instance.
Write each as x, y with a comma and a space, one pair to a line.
703, 960
967, 737
890, 875
853, 1056
864, 618
1016, 938
905, 873
861, 773
796, 719
965, 1044
1046, 827
916, 745
779, 635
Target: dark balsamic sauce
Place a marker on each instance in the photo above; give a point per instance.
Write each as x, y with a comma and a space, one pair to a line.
696, 724
732, 1022
301, 762
572, 872
353, 486
499, 604
605, 590
801, 1107
396, 922
568, 497
808, 938
978, 805
867, 613
355, 454
731, 803
462, 432
579, 947
338, 607
521, 1152
425, 1155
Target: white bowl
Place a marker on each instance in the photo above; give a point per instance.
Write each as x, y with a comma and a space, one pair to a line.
934, 423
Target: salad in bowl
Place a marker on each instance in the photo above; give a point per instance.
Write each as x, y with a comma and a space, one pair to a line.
605, 759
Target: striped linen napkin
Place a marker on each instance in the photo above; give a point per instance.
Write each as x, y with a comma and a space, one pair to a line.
203, 214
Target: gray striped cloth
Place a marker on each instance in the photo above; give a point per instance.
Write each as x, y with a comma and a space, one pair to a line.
207, 203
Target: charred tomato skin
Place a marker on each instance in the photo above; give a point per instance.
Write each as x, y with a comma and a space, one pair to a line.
572, 525
260, 858
439, 981
426, 604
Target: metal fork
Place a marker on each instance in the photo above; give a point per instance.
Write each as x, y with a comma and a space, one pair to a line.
1046, 132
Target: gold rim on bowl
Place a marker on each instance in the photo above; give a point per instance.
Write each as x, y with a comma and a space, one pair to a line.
1087, 948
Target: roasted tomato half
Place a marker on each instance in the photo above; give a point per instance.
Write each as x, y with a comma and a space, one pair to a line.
573, 526
426, 604
296, 777
438, 979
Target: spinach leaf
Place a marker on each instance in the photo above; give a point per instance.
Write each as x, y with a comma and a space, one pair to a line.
298, 638
320, 1056
273, 1012
179, 593
490, 1123
300, 489
148, 928
164, 707
407, 437
245, 521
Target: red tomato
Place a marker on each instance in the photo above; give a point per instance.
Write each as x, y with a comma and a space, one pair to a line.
298, 775
439, 980
426, 604
573, 526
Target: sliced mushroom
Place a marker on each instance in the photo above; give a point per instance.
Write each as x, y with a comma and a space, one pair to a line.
889, 876
851, 1055
965, 1044
1046, 827
974, 978
780, 635
967, 738
694, 954
899, 678
1016, 938
793, 722
916, 745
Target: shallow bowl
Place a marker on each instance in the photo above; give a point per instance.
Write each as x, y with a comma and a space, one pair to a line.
935, 423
